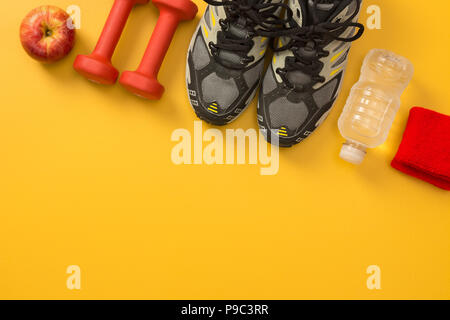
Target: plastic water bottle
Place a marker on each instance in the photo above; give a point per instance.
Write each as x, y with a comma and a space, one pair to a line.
373, 103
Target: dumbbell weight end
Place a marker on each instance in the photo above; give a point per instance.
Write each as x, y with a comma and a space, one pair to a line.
143, 82
97, 66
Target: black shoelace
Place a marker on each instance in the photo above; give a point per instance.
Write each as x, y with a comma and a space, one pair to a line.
256, 18
312, 39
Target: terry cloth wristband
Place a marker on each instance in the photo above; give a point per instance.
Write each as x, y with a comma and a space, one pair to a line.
425, 150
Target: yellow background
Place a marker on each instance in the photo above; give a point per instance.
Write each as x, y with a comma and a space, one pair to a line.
86, 179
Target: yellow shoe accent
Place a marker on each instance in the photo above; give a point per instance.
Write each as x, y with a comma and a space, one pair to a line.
213, 107
280, 43
335, 71
337, 55
282, 132
213, 19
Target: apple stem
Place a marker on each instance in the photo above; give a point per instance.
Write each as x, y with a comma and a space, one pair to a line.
48, 32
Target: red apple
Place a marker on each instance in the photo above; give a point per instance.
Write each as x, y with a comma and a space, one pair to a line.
47, 34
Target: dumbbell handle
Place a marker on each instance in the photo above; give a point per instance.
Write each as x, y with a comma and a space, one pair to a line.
113, 29
159, 44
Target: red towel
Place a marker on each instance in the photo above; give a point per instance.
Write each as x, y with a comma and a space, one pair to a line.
425, 150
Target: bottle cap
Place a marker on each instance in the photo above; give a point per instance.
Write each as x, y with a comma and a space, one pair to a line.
352, 154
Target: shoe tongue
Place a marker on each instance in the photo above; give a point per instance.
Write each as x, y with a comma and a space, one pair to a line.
238, 31
323, 8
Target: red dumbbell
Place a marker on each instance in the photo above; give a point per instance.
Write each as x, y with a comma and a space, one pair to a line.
97, 66
143, 82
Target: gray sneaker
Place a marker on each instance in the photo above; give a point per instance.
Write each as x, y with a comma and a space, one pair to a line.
226, 56
304, 79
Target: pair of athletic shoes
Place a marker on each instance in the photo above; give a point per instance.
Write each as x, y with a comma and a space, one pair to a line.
310, 39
